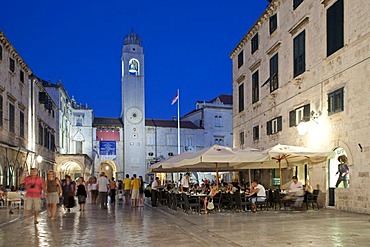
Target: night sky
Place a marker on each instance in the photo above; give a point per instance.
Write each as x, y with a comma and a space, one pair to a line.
186, 45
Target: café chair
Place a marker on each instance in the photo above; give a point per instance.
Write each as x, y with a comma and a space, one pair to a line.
312, 199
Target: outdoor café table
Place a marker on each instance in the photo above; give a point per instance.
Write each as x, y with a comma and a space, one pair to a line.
198, 197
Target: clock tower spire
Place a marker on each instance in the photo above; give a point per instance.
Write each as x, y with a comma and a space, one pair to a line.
133, 105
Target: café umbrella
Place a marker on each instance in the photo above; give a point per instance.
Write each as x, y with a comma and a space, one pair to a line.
285, 154
216, 158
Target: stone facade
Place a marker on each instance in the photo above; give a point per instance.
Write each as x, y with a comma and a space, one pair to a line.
334, 85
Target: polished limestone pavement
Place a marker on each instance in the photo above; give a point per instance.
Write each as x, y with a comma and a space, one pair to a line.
121, 225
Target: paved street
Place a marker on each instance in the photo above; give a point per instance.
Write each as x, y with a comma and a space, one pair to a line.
124, 226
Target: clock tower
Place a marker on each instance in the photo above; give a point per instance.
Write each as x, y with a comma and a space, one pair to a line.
133, 105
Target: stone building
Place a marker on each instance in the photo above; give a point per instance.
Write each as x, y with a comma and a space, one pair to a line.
304, 67
27, 120
74, 153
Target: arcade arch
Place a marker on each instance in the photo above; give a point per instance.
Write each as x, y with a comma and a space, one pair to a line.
109, 167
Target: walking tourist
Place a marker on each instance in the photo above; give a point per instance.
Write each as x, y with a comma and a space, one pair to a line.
54, 192
135, 186
34, 185
69, 190
112, 192
127, 188
141, 192
81, 193
94, 191
103, 188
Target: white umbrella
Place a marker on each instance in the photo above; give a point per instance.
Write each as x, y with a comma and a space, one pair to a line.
285, 154
216, 158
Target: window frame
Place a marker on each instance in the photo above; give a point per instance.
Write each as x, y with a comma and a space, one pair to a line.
274, 72
1, 111
294, 120
255, 87
274, 125
11, 64
334, 27
241, 138
299, 54
240, 59
296, 3
21, 124
256, 132
11, 118
254, 43
333, 105
241, 97
273, 23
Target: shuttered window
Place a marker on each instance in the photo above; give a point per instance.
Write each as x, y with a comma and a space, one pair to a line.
241, 97
256, 133
301, 114
336, 101
255, 87
11, 118
299, 54
21, 124
275, 125
335, 27
274, 70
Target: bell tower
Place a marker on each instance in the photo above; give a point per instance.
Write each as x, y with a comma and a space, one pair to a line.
133, 105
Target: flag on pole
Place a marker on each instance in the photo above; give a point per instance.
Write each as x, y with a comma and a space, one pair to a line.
175, 98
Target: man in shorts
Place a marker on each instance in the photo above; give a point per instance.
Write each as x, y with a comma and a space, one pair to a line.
135, 186
127, 188
34, 185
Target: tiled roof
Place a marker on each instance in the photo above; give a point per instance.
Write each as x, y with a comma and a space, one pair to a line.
101, 121
227, 99
170, 124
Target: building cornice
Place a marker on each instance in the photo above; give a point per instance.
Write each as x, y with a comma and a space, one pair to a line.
14, 53
270, 10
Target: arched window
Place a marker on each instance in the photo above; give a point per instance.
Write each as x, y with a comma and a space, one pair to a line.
133, 67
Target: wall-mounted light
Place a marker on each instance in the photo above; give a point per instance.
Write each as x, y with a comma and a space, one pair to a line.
39, 159
303, 126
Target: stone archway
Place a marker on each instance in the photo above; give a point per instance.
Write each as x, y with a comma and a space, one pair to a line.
109, 168
71, 168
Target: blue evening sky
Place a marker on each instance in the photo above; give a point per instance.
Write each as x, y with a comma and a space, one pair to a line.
186, 45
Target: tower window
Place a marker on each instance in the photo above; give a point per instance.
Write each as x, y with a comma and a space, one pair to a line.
133, 67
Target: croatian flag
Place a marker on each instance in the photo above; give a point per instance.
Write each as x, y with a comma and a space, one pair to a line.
175, 98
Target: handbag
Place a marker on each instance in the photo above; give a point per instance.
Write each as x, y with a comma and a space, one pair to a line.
210, 205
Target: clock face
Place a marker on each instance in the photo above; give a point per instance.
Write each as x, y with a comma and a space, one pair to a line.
134, 115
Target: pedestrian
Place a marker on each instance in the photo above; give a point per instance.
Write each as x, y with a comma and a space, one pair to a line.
34, 185
81, 193
135, 186
155, 186
103, 188
69, 190
54, 192
343, 171
112, 193
94, 191
127, 188
141, 192
88, 187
